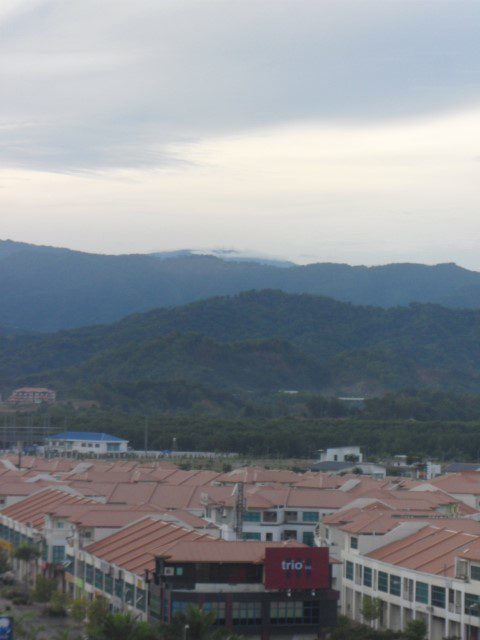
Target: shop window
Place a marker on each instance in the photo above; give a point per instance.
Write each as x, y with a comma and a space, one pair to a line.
286, 612
247, 613
218, 608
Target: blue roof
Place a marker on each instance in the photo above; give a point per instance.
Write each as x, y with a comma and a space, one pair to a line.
85, 435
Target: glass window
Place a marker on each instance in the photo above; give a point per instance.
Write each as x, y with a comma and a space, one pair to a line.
251, 535
438, 597
310, 516
307, 538
119, 584
349, 570
286, 612
247, 613
179, 607
395, 585
129, 589
291, 516
108, 584
421, 592
383, 581
89, 573
218, 608
289, 534
353, 543
140, 599
367, 577
99, 579
474, 572
58, 554
472, 604
252, 516
269, 516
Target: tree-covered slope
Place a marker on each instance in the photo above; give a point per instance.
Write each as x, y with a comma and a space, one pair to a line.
265, 340
47, 288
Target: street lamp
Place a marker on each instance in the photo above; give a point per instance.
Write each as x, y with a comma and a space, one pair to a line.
186, 627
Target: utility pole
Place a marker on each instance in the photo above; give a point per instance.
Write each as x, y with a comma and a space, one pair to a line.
239, 509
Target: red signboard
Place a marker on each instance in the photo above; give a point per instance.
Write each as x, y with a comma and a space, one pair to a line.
297, 568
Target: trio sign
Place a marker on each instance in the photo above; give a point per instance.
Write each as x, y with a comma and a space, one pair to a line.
297, 568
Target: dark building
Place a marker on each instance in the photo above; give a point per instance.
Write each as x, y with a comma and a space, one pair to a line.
254, 588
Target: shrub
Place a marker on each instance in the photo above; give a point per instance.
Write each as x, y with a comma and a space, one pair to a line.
44, 589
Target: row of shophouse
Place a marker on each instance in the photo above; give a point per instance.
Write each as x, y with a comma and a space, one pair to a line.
151, 539
398, 565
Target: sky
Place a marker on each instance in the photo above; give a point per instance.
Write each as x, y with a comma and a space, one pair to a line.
312, 130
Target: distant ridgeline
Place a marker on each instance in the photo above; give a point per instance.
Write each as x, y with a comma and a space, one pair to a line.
223, 350
47, 288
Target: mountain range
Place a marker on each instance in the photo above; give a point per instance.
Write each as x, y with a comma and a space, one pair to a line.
254, 342
47, 289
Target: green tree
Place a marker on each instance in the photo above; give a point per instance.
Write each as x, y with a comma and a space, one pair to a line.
371, 608
415, 630
26, 553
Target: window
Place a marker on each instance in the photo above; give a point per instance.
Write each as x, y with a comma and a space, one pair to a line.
307, 538
286, 612
349, 570
353, 543
475, 572
99, 579
395, 585
178, 606
472, 605
119, 585
291, 516
289, 534
129, 589
58, 554
367, 577
247, 613
251, 535
421, 592
438, 597
218, 608
383, 581
269, 516
140, 599
89, 573
310, 516
84, 444
60, 524
108, 588
252, 516
97, 446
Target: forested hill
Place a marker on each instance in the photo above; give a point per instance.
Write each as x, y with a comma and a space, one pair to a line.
265, 340
47, 288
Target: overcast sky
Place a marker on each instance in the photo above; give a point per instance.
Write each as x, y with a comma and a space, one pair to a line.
313, 130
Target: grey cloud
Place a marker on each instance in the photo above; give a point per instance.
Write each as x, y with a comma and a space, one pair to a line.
118, 82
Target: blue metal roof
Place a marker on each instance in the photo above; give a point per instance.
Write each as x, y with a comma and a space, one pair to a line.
85, 435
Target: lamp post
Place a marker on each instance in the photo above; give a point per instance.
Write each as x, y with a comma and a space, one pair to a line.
186, 627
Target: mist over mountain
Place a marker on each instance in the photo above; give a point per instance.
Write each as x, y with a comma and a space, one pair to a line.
47, 288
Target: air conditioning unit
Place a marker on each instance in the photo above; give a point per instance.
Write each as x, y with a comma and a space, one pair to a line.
168, 571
